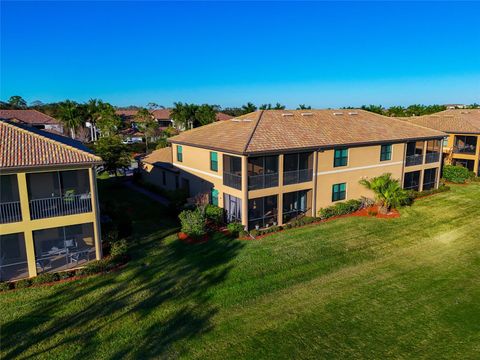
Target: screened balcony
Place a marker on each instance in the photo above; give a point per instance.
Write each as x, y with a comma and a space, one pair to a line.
232, 171
411, 181
13, 257
433, 151
296, 204
62, 248
59, 193
465, 145
414, 154
297, 168
262, 212
9, 200
262, 172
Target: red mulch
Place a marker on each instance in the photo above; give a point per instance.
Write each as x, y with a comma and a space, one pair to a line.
189, 240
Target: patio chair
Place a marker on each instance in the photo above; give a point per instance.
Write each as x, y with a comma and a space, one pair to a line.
44, 264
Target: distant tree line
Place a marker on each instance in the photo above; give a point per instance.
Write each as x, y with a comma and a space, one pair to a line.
411, 110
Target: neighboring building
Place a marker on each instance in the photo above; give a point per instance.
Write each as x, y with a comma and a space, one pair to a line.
33, 118
462, 147
271, 166
48, 203
455, 106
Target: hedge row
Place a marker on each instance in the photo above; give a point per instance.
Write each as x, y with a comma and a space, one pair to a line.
117, 257
417, 194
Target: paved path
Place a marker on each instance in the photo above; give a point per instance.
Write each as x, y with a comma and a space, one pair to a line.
148, 193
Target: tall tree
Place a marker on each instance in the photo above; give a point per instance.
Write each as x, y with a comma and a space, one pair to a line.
146, 123
17, 102
279, 106
378, 109
205, 114
265, 107
108, 122
304, 107
69, 115
114, 154
248, 108
184, 115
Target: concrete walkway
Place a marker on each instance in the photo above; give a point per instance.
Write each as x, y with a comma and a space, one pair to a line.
155, 197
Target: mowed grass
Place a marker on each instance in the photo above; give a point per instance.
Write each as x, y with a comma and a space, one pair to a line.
351, 288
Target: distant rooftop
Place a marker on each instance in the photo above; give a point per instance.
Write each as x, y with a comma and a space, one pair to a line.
22, 146
450, 121
31, 117
288, 130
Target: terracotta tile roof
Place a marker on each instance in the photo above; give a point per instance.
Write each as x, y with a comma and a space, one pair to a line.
22, 146
222, 116
32, 117
160, 157
280, 130
450, 121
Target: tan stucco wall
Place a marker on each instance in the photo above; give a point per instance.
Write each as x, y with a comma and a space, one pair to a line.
363, 162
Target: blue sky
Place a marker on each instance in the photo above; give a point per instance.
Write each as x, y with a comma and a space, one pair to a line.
325, 54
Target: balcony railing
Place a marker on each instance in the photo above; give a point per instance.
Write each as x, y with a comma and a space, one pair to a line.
414, 160
232, 180
262, 181
297, 176
432, 157
60, 206
465, 149
10, 212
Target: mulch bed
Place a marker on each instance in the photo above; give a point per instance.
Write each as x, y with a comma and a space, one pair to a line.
189, 240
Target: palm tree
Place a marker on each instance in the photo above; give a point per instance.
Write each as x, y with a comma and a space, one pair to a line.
388, 192
69, 115
304, 107
147, 123
248, 108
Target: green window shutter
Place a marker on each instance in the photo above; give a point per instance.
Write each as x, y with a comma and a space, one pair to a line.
386, 152
339, 192
214, 197
340, 157
179, 153
213, 161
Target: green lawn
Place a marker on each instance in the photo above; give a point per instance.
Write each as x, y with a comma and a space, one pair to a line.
351, 288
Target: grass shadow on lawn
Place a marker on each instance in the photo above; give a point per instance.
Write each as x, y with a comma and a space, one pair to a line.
172, 275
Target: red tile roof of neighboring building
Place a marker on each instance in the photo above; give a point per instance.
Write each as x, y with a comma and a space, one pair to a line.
32, 117
22, 146
222, 116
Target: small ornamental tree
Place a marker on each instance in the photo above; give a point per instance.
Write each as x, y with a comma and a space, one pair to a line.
114, 154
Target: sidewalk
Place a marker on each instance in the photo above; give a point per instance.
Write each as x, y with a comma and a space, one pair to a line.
151, 195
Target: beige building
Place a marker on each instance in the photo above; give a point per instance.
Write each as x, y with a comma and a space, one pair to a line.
268, 167
462, 146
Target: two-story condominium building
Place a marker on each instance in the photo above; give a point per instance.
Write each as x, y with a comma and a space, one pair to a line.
271, 166
462, 146
48, 203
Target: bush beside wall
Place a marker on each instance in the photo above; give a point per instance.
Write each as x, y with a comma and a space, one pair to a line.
457, 174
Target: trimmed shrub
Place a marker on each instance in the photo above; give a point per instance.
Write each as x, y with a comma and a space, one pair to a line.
45, 278
98, 266
193, 223
22, 284
456, 174
255, 233
214, 214
236, 229
4, 286
417, 194
340, 208
66, 275
119, 248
